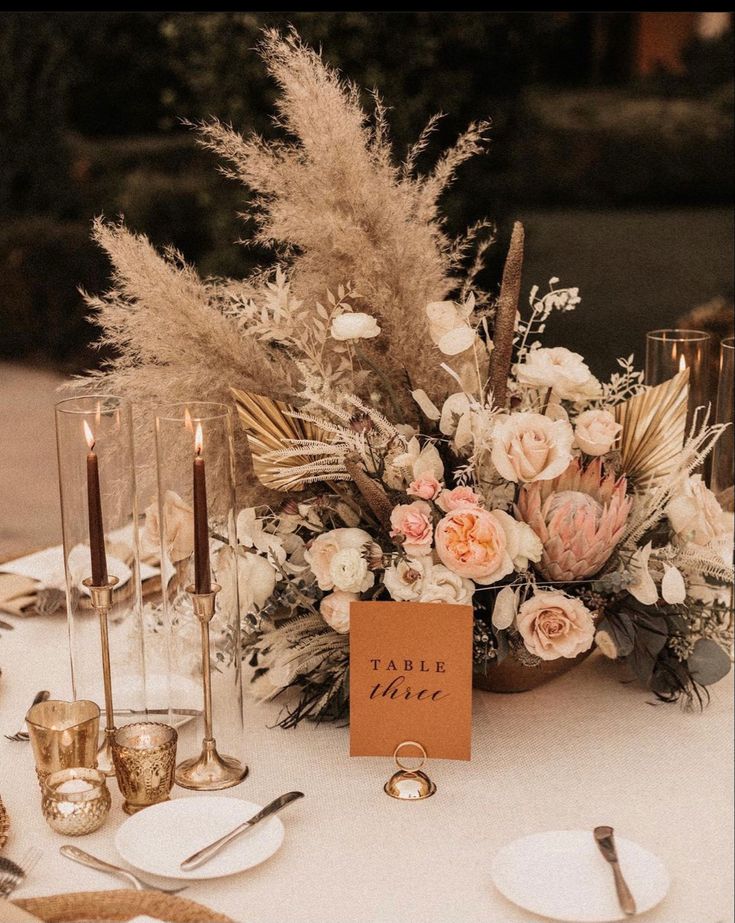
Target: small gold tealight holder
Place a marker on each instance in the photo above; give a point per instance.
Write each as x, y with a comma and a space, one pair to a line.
409, 784
63, 735
75, 801
144, 754
210, 771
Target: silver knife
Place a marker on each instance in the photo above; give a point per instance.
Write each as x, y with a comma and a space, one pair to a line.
606, 845
205, 854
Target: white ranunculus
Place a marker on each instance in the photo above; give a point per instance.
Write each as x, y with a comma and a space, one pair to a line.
335, 610
349, 572
505, 608
444, 586
558, 368
531, 447
325, 546
523, 544
595, 431
643, 586
405, 579
354, 326
449, 325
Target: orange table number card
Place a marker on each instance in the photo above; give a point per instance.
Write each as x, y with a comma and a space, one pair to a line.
410, 678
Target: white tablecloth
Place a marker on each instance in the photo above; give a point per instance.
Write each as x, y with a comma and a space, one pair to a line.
582, 751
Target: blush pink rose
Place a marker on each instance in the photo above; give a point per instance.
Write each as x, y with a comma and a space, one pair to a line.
472, 542
450, 500
553, 625
411, 524
425, 487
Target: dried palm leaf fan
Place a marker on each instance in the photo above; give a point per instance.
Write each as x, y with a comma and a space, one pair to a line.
268, 427
654, 427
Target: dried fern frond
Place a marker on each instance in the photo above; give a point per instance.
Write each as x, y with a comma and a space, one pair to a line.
333, 199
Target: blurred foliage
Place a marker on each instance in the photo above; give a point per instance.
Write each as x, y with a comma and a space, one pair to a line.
91, 105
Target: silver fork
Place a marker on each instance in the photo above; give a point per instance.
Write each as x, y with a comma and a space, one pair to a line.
22, 734
13, 873
84, 858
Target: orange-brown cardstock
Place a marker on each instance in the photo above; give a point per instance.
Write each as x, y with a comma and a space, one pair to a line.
410, 678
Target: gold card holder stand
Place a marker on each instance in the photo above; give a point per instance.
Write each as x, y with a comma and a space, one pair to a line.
409, 784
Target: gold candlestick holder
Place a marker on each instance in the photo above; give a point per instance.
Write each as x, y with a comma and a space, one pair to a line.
102, 603
209, 771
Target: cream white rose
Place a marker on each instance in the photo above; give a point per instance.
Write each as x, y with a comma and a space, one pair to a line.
558, 368
319, 555
349, 572
553, 625
178, 519
443, 586
595, 431
354, 326
695, 513
335, 610
449, 327
256, 580
405, 579
531, 447
523, 545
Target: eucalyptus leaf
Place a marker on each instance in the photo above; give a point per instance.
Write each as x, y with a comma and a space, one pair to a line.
708, 663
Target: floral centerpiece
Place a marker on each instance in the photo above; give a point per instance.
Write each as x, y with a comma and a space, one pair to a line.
406, 435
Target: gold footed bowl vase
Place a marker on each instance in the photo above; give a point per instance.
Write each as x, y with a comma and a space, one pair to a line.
513, 676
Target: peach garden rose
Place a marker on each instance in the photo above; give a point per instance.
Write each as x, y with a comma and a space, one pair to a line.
472, 542
553, 625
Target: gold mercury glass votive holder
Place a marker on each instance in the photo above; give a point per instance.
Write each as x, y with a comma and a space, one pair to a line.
144, 754
63, 735
75, 801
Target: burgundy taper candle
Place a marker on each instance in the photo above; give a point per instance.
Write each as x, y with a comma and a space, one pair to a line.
94, 509
202, 576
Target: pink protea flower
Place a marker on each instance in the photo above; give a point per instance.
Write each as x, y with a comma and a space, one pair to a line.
579, 517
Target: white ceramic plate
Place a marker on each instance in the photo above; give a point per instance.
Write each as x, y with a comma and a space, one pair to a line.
561, 874
159, 838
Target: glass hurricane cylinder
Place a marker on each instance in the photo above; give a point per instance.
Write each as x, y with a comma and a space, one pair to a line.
669, 352
177, 426
105, 422
723, 466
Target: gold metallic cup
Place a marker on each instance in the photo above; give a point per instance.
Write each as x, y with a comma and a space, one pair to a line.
63, 735
209, 771
102, 603
409, 784
75, 801
144, 754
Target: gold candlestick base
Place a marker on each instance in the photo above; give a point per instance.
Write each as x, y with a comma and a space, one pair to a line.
210, 772
104, 754
102, 600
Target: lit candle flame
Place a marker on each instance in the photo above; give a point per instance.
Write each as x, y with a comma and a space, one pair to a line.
198, 440
682, 363
88, 435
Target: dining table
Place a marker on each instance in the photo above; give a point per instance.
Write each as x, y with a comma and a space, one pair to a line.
589, 748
